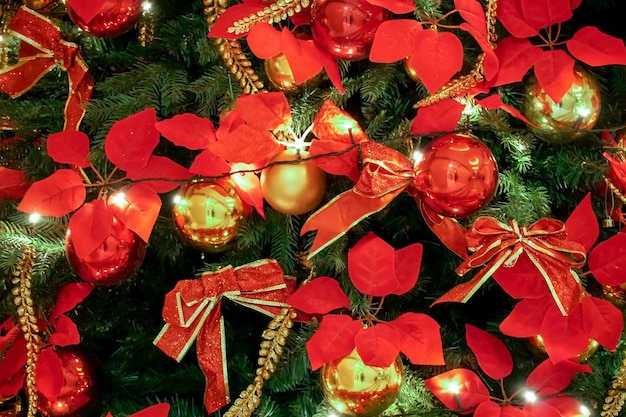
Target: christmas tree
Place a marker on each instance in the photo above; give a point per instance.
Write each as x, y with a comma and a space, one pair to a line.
312, 208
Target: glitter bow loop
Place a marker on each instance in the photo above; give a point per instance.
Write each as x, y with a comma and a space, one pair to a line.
192, 313
495, 244
41, 50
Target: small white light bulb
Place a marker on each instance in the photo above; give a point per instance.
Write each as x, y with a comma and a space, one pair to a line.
530, 396
34, 218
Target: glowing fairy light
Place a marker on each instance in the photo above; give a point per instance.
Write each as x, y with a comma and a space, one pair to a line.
453, 387
34, 218
586, 412
530, 396
417, 156
177, 199
119, 199
146, 6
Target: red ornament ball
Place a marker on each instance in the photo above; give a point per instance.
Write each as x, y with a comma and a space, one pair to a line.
345, 28
113, 262
457, 175
80, 388
104, 18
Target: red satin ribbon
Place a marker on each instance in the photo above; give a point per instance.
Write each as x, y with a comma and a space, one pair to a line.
545, 243
386, 173
192, 310
41, 49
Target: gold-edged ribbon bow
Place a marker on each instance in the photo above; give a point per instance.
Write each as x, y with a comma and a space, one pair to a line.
544, 242
41, 50
192, 311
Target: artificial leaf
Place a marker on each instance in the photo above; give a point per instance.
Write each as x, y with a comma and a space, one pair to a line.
487, 409
69, 147
56, 195
566, 405
408, 261
333, 340
551, 378
472, 12
378, 345
458, 389
69, 296
492, 354
157, 410
442, 116
208, 164
12, 368
138, 210
395, 6
13, 185
302, 55
320, 296
596, 48
187, 130
247, 145
264, 111
226, 20
540, 409
49, 374
248, 187
555, 325
490, 61
573, 4
392, 40
526, 317
170, 174
90, 226
444, 48
602, 321
522, 280
515, 57
264, 40
87, 10
332, 70
420, 339
346, 162
371, 266
511, 16
582, 225
511, 411
555, 73
494, 102
130, 141
543, 13
607, 261
65, 332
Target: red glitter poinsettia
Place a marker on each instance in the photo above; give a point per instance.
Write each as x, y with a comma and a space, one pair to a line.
463, 390
377, 270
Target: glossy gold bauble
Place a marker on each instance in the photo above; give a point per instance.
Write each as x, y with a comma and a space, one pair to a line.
357, 389
568, 119
537, 344
410, 70
46, 6
615, 294
279, 74
209, 214
294, 187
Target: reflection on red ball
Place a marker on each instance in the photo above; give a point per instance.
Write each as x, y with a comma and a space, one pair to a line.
113, 18
457, 175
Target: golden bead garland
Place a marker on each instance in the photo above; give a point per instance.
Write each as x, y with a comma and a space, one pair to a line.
276, 12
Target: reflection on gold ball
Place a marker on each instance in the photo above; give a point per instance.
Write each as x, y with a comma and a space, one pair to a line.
280, 76
45, 6
410, 70
294, 188
209, 213
566, 120
616, 295
356, 389
537, 343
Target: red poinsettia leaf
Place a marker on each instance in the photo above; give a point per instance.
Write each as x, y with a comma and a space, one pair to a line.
248, 187
395, 6
458, 389
265, 111
511, 16
264, 40
208, 164
408, 261
65, 333
607, 261
551, 378
130, 141
442, 116
378, 345
187, 130
555, 325
302, 56
582, 225
492, 354
333, 340
526, 317
573, 4
392, 40
540, 409
227, 19
472, 12
157, 410
494, 102
320, 296
247, 145
566, 405
49, 374
488, 409
87, 10
511, 411
602, 321
543, 13
555, 73
138, 209
331, 68
596, 48
90, 226
13, 185
302, 18
69, 296
420, 339
69, 147
332, 123
490, 62
444, 48
371, 266
345, 164
56, 195
160, 167
522, 280
515, 57
12, 366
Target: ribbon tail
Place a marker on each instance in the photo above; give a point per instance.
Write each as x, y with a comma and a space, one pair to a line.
448, 230
76, 101
19, 78
340, 214
211, 349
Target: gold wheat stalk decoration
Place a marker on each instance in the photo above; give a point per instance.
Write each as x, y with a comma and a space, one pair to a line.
616, 397
276, 12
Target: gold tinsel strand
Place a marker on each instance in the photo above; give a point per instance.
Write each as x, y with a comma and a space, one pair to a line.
276, 12
615, 190
7, 10
614, 401
232, 54
28, 322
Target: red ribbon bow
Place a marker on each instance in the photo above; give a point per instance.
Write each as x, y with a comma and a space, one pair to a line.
41, 49
386, 174
192, 310
544, 242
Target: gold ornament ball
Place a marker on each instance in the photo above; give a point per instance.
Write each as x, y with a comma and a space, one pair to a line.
410, 69
357, 389
539, 348
296, 187
568, 119
45, 6
209, 213
279, 74
615, 294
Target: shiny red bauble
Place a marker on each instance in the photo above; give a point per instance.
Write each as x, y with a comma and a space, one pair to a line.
80, 385
345, 28
111, 18
457, 175
111, 263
